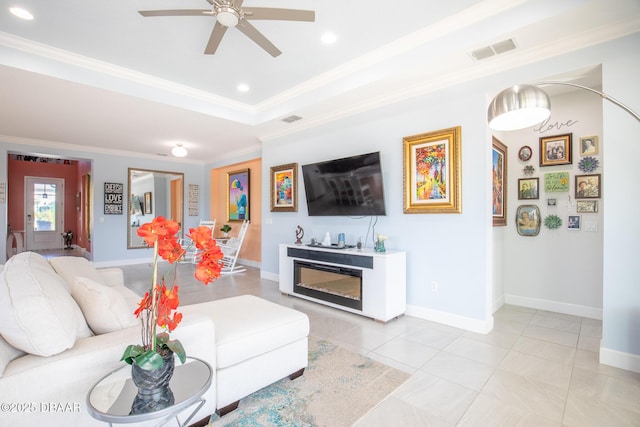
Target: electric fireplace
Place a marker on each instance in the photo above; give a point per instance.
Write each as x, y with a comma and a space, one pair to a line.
331, 283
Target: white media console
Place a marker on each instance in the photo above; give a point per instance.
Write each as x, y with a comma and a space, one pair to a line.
384, 287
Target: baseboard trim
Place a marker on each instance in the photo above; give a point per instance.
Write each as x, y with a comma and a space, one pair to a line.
462, 322
555, 306
269, 276
618, 359
497, 304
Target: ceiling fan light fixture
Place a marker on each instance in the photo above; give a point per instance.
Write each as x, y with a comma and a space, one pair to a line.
227, 16
179, 151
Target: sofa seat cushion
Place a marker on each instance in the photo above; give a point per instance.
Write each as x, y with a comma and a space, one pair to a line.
105, 308
248, 326
37, 313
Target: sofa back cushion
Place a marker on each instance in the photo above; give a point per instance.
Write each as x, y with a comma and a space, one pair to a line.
37, 313
105, 308
70, 267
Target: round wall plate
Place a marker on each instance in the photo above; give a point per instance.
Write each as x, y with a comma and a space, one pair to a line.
525, 153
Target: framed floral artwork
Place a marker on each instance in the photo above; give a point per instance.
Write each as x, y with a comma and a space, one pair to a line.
432, 170
284, 191
588, 186
238, 195
499, 182
555, 150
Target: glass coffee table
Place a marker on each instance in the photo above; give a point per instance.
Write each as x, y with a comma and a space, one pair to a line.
115, 399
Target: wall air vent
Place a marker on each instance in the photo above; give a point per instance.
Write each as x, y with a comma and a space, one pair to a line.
494, 49
292, 118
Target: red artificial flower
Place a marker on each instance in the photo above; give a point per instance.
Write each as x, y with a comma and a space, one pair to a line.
144, 304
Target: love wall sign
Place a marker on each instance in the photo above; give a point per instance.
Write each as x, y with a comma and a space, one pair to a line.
113, 198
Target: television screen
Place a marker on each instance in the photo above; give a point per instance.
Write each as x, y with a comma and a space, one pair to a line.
351, 186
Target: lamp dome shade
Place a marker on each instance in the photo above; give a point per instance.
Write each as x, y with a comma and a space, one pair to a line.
518, 107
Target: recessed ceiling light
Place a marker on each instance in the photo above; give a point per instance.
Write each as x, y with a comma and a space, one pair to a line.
21, 13
242, 87
328, 38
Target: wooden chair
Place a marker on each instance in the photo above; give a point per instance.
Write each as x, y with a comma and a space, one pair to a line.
230, 249
192, 251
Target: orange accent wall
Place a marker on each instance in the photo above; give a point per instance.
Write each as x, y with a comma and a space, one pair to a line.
18, 169
251, 248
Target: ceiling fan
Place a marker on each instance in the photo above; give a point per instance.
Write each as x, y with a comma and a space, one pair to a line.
229, 13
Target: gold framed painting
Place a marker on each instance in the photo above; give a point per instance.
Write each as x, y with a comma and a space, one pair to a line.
284, 188
432, 172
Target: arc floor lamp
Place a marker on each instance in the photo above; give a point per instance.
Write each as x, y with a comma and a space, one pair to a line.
521, 106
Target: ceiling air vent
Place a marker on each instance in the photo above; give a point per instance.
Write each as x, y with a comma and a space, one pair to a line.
292, 118
494, 49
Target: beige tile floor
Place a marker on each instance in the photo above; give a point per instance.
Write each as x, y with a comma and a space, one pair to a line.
536, 368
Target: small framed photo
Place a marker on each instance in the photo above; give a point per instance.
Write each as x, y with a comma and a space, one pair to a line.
551, 202
525, 153
528, 188
588, 145
588, 186
528, 220
574, 222
555, 150
587, 206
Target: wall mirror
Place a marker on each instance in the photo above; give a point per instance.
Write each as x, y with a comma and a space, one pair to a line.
152, 193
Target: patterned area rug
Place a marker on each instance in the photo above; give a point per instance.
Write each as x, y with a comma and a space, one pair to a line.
337, 388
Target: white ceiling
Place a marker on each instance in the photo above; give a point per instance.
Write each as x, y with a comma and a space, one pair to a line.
99, 75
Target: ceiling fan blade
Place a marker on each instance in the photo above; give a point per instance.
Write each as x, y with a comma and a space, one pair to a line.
276, 14
176, 12
215, 38
255, 35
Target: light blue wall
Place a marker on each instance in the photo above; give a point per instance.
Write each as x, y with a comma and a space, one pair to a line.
436, 244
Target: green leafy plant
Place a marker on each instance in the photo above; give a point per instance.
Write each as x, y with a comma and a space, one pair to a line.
225, 228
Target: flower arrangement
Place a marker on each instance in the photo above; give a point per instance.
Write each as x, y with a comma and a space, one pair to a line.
158, 306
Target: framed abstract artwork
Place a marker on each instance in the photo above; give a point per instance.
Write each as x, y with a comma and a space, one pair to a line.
432, 170
499, 182
555, 150
238, 195
284, 188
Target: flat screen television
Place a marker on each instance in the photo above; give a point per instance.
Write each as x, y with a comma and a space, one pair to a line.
351, 186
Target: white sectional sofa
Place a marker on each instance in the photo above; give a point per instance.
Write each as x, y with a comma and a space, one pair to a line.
64, 326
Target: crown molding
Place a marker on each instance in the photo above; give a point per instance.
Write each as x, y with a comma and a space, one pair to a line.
475, 71
55, 145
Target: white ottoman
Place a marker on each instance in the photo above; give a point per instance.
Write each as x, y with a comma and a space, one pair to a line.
257, 343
